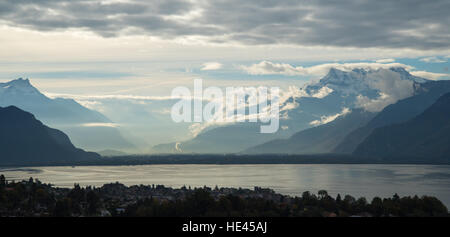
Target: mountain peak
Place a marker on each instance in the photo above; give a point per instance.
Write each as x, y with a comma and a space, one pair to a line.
339, 77
18, 86
405, 75
360, 71
400, 70
19, 82
361, 77
26, 140
15, 113
333, 72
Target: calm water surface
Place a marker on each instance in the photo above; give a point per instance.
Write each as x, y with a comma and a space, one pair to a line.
356, 180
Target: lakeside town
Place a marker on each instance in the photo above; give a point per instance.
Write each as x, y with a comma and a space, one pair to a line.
32, 198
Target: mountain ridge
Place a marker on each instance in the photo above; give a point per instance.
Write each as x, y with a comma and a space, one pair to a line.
398, 112
316, 140
64, 114
327, 97
427, 135
26, 140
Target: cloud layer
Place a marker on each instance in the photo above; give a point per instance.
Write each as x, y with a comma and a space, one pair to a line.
412, 24
433, 60
271, 68
326, 119
209, 66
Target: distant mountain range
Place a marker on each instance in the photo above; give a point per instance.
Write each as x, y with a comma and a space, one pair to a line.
376, 115
26, 141
84, 126
403, 110
226, 139
414, 129
427, 135
316, 140
312, 106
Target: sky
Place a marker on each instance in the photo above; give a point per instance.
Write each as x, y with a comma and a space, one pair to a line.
146, 48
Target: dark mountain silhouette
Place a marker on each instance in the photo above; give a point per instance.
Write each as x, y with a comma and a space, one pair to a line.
425, 136
426, 94
26, 141
64, 114
320, 139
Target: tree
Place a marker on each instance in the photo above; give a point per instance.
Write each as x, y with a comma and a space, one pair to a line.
2, 181
306, 195
361, 204
93, 201
63, 207
349, 199
338, 198
323, 194
377, 206
396, 197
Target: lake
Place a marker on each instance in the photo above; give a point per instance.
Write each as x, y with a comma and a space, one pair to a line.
357, 180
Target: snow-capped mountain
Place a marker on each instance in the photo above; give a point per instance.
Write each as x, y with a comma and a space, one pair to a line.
360, 80
21, 93
371, 90
316, 103
19, 87
64, 114
368, 83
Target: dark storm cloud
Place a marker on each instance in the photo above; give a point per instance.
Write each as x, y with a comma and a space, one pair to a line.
414, 24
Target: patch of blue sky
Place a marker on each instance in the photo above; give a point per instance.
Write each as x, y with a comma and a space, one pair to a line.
441, 67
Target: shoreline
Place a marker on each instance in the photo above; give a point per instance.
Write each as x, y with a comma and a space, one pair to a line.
232, 159
11, 168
